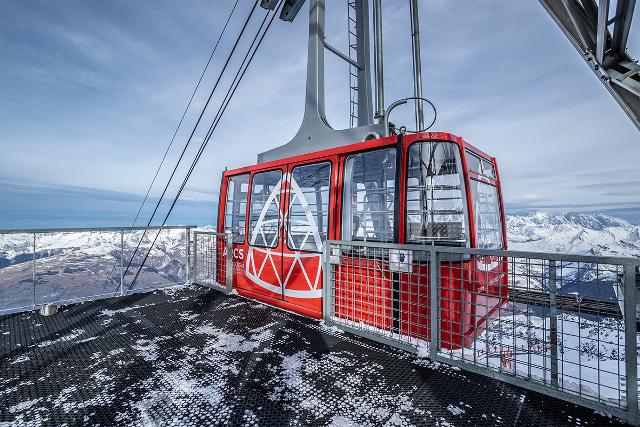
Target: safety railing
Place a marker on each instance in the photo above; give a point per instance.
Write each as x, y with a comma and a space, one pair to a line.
211, 265
563, 325
66, 265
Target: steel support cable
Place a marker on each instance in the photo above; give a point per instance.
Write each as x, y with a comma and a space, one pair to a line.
223, 106
164, 157
155, 210
186, 110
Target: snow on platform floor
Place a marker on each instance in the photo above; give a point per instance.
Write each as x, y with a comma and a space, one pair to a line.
189, 356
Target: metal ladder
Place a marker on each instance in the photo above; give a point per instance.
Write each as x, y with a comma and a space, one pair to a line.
353, 55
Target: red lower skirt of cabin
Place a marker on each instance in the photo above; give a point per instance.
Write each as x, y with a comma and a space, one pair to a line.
368, 294
280, 303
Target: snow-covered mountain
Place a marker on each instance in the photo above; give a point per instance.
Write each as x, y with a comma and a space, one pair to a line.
574, 233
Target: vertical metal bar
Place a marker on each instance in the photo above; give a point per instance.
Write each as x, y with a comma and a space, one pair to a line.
623, 16
630, 342
314, 101
417, 63
195, 257
434, 289
365, 116
378, 59
326, 293
33, 278
188, 253
601, 38
553, 322
121, 262
229, 261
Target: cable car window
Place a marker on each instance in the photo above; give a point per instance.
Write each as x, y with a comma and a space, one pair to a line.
235, 212
369, 196
264, 219
486, 214
487, 169
473, 162
309, 207
436, 197
480, 166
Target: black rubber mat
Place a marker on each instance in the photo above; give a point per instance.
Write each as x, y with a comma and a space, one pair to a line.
190, 356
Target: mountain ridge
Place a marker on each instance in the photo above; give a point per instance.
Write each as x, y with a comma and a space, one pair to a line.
573, 233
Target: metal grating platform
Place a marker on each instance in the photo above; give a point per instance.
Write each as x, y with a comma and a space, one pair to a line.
189, 356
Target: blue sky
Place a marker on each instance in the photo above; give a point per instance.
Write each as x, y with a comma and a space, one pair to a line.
91, 92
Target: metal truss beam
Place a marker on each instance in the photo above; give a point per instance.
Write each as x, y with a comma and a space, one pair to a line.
602, 42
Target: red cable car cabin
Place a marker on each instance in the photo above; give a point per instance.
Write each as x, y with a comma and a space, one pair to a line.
425, 188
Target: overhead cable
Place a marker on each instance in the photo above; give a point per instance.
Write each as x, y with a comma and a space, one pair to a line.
235, 45
234, 85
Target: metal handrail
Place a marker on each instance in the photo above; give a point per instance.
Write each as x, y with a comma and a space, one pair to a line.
495, 252
91, 229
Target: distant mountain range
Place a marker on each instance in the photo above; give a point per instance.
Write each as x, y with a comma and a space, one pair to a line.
69, 265
574, 233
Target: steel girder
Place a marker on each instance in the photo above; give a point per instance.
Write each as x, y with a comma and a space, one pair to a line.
602, 42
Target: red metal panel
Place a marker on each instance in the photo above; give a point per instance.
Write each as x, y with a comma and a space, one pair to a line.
363, 292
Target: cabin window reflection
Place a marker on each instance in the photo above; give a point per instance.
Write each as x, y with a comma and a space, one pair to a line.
264, 219
235, 217
369, 196
309, 207
486, 215
436, 198
480, 165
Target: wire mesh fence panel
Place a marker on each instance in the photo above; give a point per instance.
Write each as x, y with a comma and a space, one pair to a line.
380, 292
550, 322
16, 271
209, 254
560, 325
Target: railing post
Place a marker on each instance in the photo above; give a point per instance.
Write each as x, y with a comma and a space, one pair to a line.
195, 257
188, 252
630, 342
229, 261
553, 322
33, 273
434, 293
326, 292
121, 262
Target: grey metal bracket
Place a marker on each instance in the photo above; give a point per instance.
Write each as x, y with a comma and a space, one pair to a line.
315, 133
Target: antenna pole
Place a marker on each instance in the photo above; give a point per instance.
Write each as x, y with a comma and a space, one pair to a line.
417, 64
379, 69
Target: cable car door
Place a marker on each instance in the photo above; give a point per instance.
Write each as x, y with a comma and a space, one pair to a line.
263, 266
306, 228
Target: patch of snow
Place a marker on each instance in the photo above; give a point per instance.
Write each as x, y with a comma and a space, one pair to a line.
455, 410
148, 349
22, 406
330, 329
340, 421
110, 313
20, 359
73, 335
